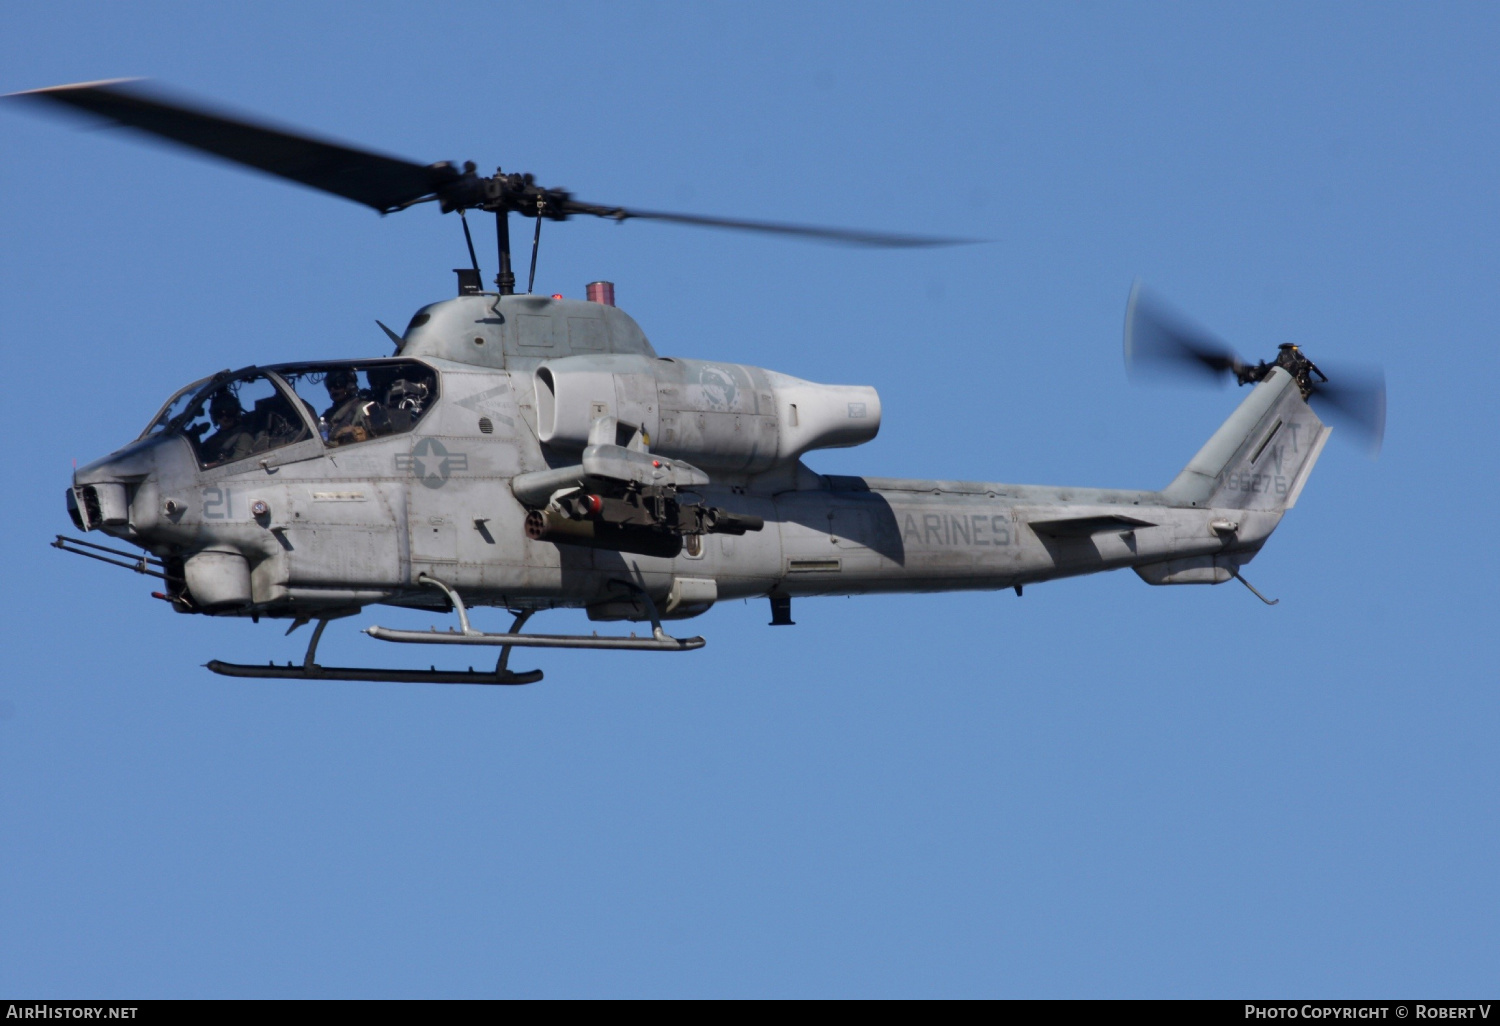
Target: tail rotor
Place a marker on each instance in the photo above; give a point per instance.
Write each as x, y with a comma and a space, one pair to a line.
1162, 343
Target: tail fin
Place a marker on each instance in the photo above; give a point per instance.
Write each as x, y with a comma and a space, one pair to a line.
1261, 456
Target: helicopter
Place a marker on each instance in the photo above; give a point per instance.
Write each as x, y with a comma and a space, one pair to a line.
534, 453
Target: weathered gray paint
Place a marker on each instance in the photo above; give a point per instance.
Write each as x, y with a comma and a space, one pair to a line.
356, 525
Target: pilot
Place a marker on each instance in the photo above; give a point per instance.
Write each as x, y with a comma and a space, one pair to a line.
354, 416
232, 439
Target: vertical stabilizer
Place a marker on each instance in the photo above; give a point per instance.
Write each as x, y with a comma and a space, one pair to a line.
1261, 456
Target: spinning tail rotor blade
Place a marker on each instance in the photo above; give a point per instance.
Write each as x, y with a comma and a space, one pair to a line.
384, 183
1355, 397
844, 236
1160, 342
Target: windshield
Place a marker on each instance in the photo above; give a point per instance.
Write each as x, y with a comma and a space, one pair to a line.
174, 406
361, 401
234, 418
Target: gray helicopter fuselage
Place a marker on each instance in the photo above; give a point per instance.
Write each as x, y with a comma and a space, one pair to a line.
310, 529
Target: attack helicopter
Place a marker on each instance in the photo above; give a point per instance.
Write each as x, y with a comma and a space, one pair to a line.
534, 453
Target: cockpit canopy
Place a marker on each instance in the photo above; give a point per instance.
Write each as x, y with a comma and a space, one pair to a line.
233, 416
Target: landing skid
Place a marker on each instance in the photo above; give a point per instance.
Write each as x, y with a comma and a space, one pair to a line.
316, 672
310, 670
660, 641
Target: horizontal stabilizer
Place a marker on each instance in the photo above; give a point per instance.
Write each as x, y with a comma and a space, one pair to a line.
1083, 527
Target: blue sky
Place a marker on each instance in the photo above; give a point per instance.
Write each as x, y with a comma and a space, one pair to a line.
1100, 789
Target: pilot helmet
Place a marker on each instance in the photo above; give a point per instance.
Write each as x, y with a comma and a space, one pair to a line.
341, 378
224, 403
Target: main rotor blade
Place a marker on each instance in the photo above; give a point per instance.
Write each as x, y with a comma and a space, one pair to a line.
1355, 396
1159, 341
384, 183
845, 236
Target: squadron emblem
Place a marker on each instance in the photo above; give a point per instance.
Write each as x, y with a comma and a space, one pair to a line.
719, 388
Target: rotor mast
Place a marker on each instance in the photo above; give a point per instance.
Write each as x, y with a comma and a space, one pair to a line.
501, 193
505, 281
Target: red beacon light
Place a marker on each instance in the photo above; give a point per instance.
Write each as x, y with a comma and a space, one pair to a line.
557, 295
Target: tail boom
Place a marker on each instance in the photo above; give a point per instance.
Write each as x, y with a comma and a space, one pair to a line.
859, 535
